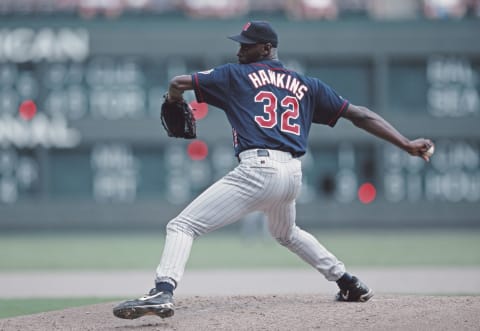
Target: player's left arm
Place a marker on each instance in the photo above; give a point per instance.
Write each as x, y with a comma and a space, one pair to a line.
178, 85
373, 123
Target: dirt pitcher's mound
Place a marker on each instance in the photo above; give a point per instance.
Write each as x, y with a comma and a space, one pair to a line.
274, 312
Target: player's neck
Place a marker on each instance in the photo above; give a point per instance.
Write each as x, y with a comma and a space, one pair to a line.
273, 55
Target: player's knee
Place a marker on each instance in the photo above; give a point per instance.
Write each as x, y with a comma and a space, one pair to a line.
177, 225
284, 240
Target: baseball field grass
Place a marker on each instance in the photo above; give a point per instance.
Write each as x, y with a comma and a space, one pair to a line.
141, 251
18, 307
110, 251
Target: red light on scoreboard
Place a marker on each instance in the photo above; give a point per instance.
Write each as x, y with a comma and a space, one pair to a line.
27, 110
197, 150
367, 193
200, 109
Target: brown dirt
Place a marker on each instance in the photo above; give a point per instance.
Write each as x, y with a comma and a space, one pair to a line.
273, 312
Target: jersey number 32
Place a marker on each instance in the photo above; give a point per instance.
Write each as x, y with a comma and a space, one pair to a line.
270, 119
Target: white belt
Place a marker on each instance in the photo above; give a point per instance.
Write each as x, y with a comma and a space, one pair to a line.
270, 153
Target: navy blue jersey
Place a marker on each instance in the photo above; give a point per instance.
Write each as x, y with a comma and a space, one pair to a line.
267, 105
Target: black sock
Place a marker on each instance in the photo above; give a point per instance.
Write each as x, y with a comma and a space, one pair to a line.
165, 287
345, 280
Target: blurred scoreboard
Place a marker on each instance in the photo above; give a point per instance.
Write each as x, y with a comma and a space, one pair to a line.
96, 143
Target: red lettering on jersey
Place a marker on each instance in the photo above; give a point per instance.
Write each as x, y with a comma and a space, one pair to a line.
290, 112
269, 120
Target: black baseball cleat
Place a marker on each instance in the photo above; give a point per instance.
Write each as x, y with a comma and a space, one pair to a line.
154, 303
356, 291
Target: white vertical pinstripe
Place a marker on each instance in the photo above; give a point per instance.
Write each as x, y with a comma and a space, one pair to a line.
269, 184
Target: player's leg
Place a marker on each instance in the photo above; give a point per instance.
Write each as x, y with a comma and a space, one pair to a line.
223, 203
281, 223
307, 247
280, 210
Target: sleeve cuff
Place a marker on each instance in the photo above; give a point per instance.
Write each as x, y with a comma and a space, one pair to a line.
196, 88
342, 110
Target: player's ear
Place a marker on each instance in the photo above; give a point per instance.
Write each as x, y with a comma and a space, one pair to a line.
267, 48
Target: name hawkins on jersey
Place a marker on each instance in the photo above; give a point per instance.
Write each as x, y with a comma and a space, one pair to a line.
279, 79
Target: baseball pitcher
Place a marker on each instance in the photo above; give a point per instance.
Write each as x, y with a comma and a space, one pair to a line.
271, 110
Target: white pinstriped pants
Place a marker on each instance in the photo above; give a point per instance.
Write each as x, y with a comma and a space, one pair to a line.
259, 183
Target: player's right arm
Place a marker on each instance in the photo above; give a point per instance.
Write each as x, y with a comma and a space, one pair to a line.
373, 123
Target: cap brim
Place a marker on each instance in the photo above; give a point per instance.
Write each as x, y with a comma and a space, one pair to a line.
242, 39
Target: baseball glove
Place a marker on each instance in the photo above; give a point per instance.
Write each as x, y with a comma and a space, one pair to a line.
177, 119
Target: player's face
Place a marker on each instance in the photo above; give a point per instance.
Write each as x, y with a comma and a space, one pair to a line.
249, 53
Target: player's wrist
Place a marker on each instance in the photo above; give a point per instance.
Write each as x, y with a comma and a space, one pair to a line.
405, 144
171, 98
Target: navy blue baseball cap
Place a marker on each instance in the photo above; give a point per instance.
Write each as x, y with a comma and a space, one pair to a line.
257, 32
